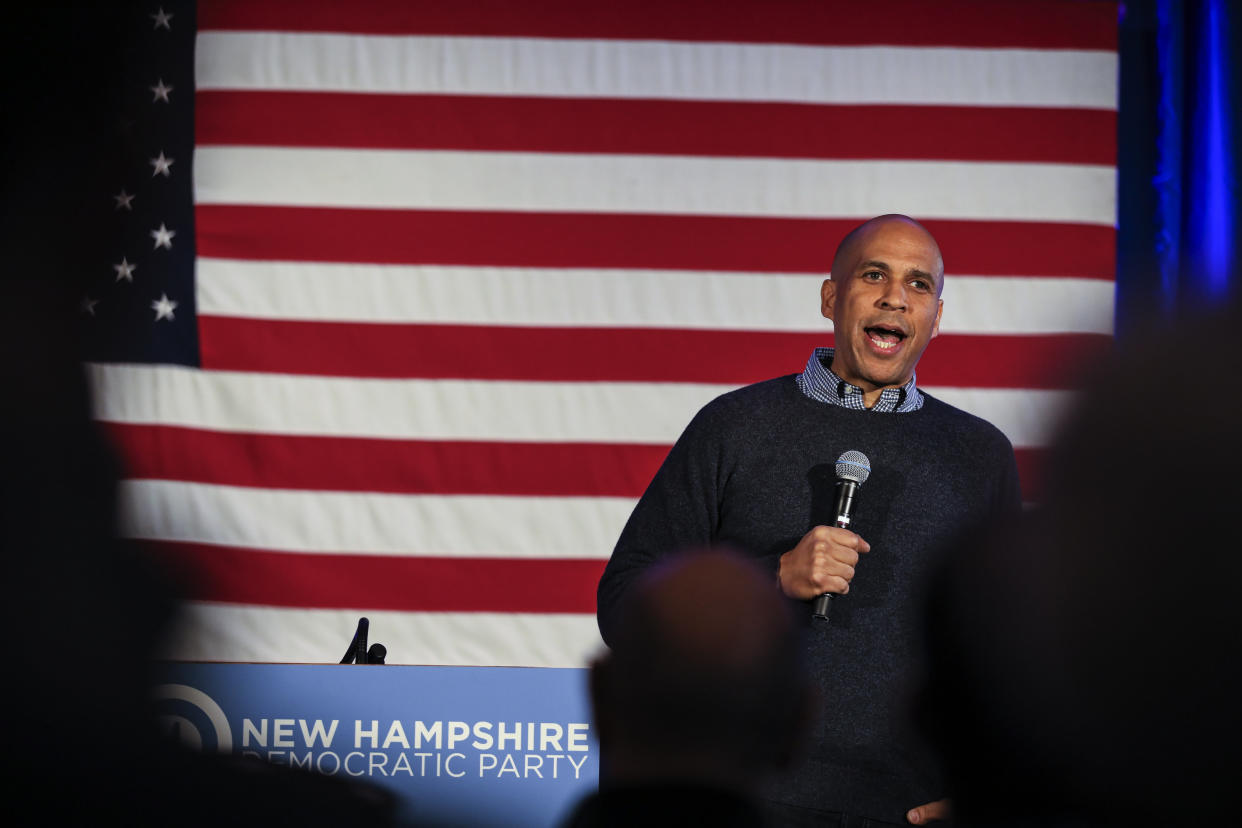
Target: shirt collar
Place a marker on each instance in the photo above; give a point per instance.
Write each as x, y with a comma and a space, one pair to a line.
821, 384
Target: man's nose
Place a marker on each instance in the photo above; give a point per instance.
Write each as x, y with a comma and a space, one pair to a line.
894, 296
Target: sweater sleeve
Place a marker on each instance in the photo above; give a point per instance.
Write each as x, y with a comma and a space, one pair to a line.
679, 510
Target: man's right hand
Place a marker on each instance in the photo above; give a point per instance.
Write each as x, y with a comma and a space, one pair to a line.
823, 561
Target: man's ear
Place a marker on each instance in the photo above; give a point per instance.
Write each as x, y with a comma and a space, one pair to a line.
827, 297
936, 325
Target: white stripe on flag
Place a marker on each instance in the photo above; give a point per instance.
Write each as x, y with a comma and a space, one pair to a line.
405, 409
597, 183
599, 412
578, 297
548, 67
1026, 305
1028, 418
373, 523
226, 632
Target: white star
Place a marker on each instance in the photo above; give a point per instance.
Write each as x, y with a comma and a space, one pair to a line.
124, 200
163, 237
161, 91
163, 307
161, 20
125, 270
88, 305
161, 165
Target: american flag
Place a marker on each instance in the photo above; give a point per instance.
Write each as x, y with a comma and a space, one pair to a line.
406, 301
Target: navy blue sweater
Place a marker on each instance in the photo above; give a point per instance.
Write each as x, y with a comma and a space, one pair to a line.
755, 470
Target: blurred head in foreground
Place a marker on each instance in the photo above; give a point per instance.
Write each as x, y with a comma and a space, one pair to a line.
704, 683
1085, 664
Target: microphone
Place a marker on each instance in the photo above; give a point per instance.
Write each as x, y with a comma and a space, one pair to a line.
358, 653
853, 468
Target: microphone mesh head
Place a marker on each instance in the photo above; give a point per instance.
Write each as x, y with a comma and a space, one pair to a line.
854, 465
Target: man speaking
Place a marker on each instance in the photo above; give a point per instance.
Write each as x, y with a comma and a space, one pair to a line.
755, 470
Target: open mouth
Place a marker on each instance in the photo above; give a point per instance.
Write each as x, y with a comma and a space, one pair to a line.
884, 338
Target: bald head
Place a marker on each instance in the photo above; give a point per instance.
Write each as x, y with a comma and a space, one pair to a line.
884, 302
847, 251
712, 607
704, 672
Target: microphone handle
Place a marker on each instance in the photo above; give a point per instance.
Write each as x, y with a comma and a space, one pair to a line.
357, 652
360, 645
846, 489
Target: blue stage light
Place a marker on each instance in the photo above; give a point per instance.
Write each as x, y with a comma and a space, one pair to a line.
1212, 203
1195, 175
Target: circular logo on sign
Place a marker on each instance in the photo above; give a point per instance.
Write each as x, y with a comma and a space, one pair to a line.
187, 711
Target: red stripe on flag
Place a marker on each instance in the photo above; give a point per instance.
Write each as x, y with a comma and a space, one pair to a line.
414, 467
411, 466
991, 248
379, 582
673, 242
361, 464
705, 128
1047, 361
1052, 24
632, 354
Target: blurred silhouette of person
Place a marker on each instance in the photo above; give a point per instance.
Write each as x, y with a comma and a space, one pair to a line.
85, 612
1085, 663
83, 609
702, 696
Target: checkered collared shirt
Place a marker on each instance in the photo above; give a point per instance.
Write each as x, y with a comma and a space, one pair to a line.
820, 384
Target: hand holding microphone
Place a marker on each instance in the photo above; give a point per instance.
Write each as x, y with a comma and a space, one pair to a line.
822, 564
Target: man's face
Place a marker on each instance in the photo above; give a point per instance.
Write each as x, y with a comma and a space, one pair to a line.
884, 302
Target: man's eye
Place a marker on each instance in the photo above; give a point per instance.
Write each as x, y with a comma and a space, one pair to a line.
919, 284
873, 275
